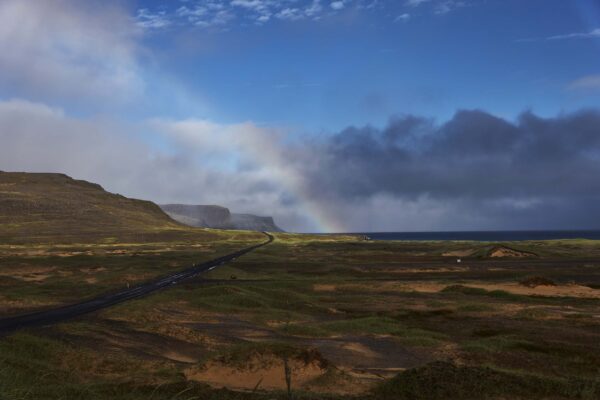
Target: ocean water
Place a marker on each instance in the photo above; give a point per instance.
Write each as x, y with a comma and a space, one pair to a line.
485, 236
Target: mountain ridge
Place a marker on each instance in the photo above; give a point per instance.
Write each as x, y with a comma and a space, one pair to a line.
53, 207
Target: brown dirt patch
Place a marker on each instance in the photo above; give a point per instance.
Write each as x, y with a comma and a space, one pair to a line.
432, 270
92, 270
536, 281
361, 349
10, 305
179, 357
500, 252
459, 253
261, 371
324, 288
571, 290
73, 253
426, 287
119, 251
29, 274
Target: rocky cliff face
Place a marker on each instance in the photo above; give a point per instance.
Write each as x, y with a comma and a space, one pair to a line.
202, 216
254, 223
218, 217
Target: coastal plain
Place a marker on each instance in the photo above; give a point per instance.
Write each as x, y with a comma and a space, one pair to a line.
349, 317
305, 316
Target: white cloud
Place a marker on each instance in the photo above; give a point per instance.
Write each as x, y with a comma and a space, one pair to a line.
402, 17
261, 19
290, 14
587, 83
438, 7
220, 12
337, 5
577, 35
446, 6
146, 19
415, 3
314, 8
593, 34
219, 19
191, 13
65, 49
251, 4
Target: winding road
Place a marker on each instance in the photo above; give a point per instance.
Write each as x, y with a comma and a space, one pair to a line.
59, 314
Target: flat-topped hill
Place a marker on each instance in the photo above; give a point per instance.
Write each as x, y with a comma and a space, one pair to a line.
46, 207
217, 217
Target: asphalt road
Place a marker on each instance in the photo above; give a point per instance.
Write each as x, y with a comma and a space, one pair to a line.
52, 316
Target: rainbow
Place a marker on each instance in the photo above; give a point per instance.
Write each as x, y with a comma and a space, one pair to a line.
266, 149
320, 217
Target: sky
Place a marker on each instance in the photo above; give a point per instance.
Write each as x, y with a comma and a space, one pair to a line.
331, 116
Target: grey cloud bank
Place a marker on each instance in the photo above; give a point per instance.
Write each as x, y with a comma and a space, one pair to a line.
475, 171
480, 171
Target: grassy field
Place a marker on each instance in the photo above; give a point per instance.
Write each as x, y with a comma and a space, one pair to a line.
38, 276
63, 239
373, 320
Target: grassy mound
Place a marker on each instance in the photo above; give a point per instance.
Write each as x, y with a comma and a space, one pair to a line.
442, 380
56, 208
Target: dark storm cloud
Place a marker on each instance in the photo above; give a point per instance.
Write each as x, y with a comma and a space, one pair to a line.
475, 162
475, 171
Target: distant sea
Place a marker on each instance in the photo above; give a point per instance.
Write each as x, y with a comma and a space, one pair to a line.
485, 236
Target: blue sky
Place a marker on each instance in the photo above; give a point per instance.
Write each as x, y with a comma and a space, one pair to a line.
371, 59
343, 115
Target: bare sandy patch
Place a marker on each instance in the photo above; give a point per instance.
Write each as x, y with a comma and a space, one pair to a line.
261, 372
360, 349
29, 274
432, 270
459, 253
386, 286
499, 252
172, 320
423, 270
118, 251
571, 290
426, 287
374, 374
12, 304
35, 277
73, 253
324, 288
535, 281
92, 270
179, 357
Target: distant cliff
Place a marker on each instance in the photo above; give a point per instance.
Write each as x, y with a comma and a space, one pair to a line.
218, 217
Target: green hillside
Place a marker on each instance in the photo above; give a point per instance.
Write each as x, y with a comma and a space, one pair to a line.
44, 207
